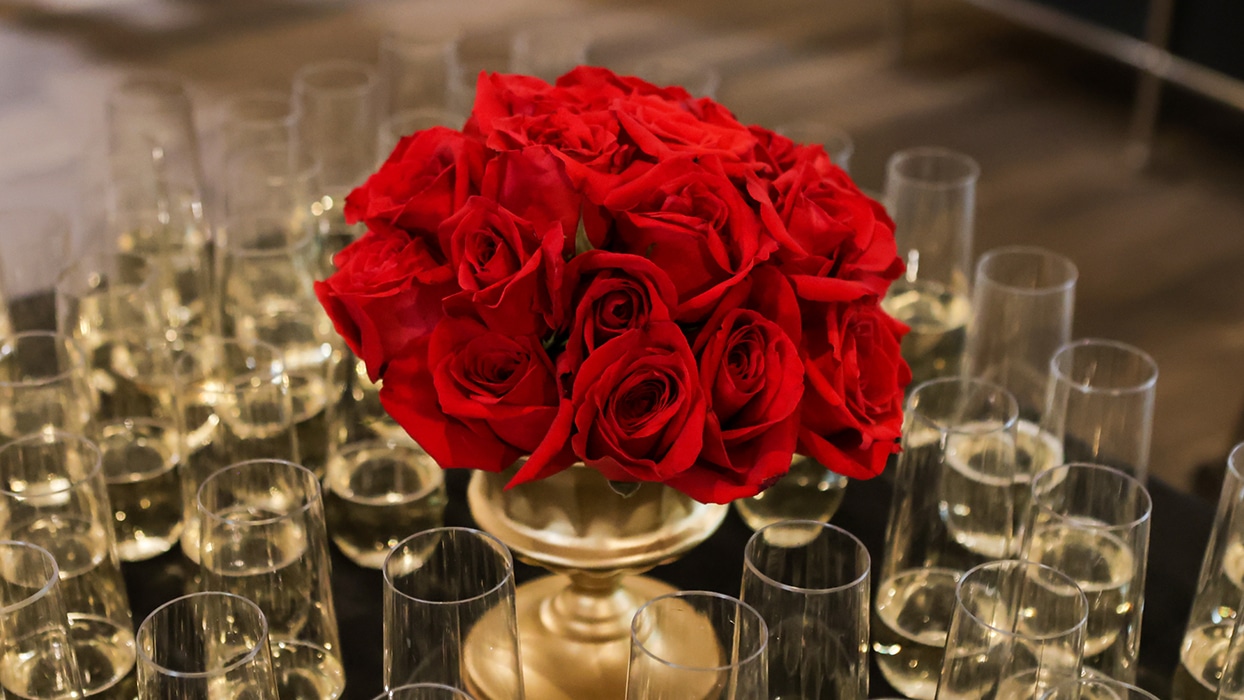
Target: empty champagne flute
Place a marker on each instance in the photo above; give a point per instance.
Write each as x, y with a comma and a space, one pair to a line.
449, 613
424, 691
1023, 301
263, 538
697, 644
37, 660
838, 144
34, 244
546, 49
931, 195
43, 384
415, 69
52, 494
378, 493
205, 645
1220, 585
256, 120
338, 114
476, 52
1101, 404
1092, 523
953, 508
810, 583
1017, 629
156, 186
233, 404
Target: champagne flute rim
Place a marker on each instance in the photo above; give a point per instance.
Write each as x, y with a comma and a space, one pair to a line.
1235, 461
1072, 272
50, 437
827, 590
1107, 683
137, 84
184, 367
845, 140
246, 658
304, 78
1146, 360
1007, 423
1146, 501
393, 445
1010, 632
253, 97
492, 541
971, 169
762, 646
6, 349
53, 577
308, 500
391, 693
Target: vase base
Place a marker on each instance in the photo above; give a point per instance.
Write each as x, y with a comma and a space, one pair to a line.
565, 664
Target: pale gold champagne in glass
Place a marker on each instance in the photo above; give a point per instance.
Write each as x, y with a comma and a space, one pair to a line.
810, 583
52, 494
954, 498
1216, 605
43, 384
1018, 629
697, 644
338, 115
233, 404
380, 493
263, 538
1095, 688
36, 656
205, 645
156, 185
808, 491
424, 691
1092, 523
931, 195
459, 582
141, 457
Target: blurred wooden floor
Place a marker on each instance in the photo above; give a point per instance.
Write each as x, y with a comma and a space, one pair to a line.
1160, 251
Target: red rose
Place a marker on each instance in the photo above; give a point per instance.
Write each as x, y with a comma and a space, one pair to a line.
509, 271
610, 294
473, 397
664, 129
852, 402
385, 294
426, 179
636, 412
753, 378
532, 183
838, 243
689, 218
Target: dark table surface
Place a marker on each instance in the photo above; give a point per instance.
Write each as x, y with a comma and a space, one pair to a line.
1181, 526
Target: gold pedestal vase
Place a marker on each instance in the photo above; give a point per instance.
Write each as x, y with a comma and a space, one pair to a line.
574, 626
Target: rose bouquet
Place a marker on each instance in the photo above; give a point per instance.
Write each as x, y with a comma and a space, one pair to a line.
615, 273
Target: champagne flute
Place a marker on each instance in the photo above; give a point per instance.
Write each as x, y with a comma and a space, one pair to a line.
810, 583
449, 613
1018, 628
1101, 404
424, 691
1092, 523
931, 194
53, 495
547, 49
205, 645
43, 385
954, 495
1095, 688
415, 69
233, 404
809, 491
263, 538
36, 655
34, 243
1220, 585
697, 644
1022, 307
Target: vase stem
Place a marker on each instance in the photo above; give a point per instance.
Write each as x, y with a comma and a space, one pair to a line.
591, 609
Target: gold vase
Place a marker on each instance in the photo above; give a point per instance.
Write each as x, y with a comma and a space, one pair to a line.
574, 626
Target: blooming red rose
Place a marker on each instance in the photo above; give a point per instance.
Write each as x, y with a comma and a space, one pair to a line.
386, 294
852, 403
473, 397
532, 183
427, 178
664, 130
509, 270
838, 242
688, 217
753, 379
636, 412
610, 294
